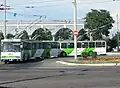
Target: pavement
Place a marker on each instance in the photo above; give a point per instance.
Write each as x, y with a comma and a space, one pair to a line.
49, 74
66, 78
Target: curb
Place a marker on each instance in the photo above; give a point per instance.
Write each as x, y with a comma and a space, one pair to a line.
73, 64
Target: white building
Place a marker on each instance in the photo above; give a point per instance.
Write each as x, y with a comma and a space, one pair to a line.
16, 26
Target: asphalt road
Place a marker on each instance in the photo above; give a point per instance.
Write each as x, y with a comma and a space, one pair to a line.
48, 74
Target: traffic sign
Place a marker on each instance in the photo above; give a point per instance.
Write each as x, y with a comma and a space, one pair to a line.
75, 32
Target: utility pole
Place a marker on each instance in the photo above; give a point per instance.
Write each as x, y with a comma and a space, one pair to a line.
117, 32
75, 29
5, 17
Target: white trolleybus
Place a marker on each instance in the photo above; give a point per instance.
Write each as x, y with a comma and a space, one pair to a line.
25, 50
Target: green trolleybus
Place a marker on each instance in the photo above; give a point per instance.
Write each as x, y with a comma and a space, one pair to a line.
25, 50
83, 46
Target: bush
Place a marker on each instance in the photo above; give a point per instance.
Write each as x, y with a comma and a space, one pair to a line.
94, 55
84, 54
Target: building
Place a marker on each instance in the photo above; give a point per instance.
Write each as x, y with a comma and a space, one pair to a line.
16, 26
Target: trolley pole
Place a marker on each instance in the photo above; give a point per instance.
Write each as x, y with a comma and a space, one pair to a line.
75, 29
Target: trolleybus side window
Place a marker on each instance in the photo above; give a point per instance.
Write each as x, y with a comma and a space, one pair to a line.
70, 45
40, 45
103, 44
78, 45
46, 45
84, 44
91, 44
63, 45
34, 45
55, 45
100, 44
58, 45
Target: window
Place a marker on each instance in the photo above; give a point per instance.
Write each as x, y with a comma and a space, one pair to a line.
91, 44
40, 46
34, 45
46, 45
100, 44
63, 45
79, 45
11, 47
84, 44
54, 45
103, 44
70, 45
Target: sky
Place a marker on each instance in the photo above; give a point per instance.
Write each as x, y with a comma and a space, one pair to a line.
56, 9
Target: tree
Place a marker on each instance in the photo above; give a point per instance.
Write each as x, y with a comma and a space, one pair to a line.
48, 34
9, 36
82, 35
64, 34
115, 40
24, 36
1, 36
111, 43
41, 34
98, 23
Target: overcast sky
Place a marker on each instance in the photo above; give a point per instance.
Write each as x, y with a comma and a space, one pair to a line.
57, 9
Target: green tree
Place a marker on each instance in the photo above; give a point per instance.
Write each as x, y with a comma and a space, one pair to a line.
48, 34
1, 36
9, 36
111, 43
98, 22
82, 35
64, 34
41, 34
114, 41
24, 36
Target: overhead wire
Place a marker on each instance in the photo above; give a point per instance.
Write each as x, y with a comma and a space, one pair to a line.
54, 6
19, 14
48, 1
59, 5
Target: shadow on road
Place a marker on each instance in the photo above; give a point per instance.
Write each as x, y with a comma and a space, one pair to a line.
4, 87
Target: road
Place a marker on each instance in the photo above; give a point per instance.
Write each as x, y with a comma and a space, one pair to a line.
48, 74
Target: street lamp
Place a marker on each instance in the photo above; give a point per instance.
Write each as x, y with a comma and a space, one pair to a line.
4, 7
117, 32
75, 29
5, 16
117, 27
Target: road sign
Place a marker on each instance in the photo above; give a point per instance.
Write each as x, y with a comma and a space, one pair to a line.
75, 32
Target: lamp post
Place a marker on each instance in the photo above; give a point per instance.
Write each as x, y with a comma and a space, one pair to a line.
75, 29
5, 16
117, 32
4, 7
117, 27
